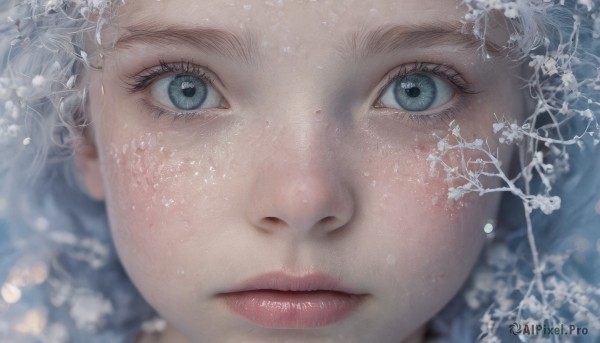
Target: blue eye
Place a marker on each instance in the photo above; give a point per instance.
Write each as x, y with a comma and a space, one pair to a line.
417, 93
185, 92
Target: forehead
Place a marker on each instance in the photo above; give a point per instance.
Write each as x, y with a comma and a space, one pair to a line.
284, 28
288, 20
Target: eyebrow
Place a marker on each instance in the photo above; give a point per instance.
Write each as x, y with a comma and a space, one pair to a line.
395, 38
222, 42
360, 44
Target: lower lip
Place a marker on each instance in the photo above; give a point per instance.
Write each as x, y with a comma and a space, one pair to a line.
276, 309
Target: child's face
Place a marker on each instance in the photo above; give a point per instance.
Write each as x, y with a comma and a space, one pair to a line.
300, 156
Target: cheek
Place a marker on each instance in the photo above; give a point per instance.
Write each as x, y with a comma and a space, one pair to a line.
427, 244
153, 190
416, 204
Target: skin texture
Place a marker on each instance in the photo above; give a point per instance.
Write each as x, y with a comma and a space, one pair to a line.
295, 171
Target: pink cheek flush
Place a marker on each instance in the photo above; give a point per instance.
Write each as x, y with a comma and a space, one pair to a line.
144, 166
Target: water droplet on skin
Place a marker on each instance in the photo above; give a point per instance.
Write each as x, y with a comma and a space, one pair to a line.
391, 259
488, 228
367, 174
151, 140
167, 202
333, 17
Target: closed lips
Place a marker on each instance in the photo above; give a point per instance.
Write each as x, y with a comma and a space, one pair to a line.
278, 300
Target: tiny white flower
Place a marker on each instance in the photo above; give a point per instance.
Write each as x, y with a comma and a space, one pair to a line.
588, 114
587, 3
498, 126
456, 131
510, 10
569, 81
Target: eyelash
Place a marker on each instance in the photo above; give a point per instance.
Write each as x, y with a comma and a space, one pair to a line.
445, 72
140, 82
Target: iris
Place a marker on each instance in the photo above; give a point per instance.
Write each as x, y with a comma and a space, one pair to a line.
187, 92
415, 93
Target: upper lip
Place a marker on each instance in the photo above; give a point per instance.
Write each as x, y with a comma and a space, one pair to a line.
279, 281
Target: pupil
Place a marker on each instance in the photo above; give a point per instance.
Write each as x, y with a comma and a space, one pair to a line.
413, 92
188, 89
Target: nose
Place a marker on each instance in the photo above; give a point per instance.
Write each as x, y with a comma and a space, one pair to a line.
301, 192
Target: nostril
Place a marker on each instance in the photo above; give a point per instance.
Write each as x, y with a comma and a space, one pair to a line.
328, 220
271, 221
326, 224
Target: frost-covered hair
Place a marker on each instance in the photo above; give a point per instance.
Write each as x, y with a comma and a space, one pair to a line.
61, 278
